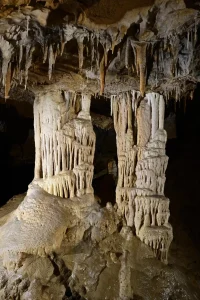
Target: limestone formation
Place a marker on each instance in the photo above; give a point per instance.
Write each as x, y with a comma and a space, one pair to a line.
96, 66
141, 167
65, 144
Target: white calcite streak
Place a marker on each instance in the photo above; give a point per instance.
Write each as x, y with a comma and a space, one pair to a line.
64, 144
141, 168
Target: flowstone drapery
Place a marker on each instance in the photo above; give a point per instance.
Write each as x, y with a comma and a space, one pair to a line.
65, 144
142, 163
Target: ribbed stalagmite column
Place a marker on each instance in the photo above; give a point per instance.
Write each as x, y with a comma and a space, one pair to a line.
64, 144
141, 169
151, 206
122, 107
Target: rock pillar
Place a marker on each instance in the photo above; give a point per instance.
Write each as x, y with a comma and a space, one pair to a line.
142, 163
64, 144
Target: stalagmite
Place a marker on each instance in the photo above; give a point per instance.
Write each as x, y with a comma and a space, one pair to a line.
141, 170
65, 144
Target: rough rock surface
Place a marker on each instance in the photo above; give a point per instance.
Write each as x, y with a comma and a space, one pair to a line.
99, 47
59, 243
85, 255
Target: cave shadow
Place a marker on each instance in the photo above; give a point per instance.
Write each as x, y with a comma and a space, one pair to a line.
183, 177
15, 172
105, 151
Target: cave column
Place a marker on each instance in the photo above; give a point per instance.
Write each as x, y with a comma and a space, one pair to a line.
123, 122
86, 138
64, 144
141, 170
151, 206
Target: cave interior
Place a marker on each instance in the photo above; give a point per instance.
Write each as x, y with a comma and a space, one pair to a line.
99, 162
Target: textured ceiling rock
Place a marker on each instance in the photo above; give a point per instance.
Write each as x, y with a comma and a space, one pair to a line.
62, 53
92, 46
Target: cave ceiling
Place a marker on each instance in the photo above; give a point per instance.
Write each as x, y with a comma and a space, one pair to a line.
98, 47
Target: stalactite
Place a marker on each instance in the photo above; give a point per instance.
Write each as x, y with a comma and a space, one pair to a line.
45, 53
51, 61
141, 60
7, 51
62, 42
97, 51
27, 25
20, 56
8, 81
188, 39
92, 50
102, 75
80, 43
105, 56
29, 53
127, 49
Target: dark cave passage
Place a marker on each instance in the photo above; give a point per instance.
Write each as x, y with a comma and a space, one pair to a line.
104, 184
183, 177
16, 152
105, 151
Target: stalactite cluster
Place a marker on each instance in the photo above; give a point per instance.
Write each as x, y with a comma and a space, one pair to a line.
94, 42
65, 144
94, 47
141, 168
